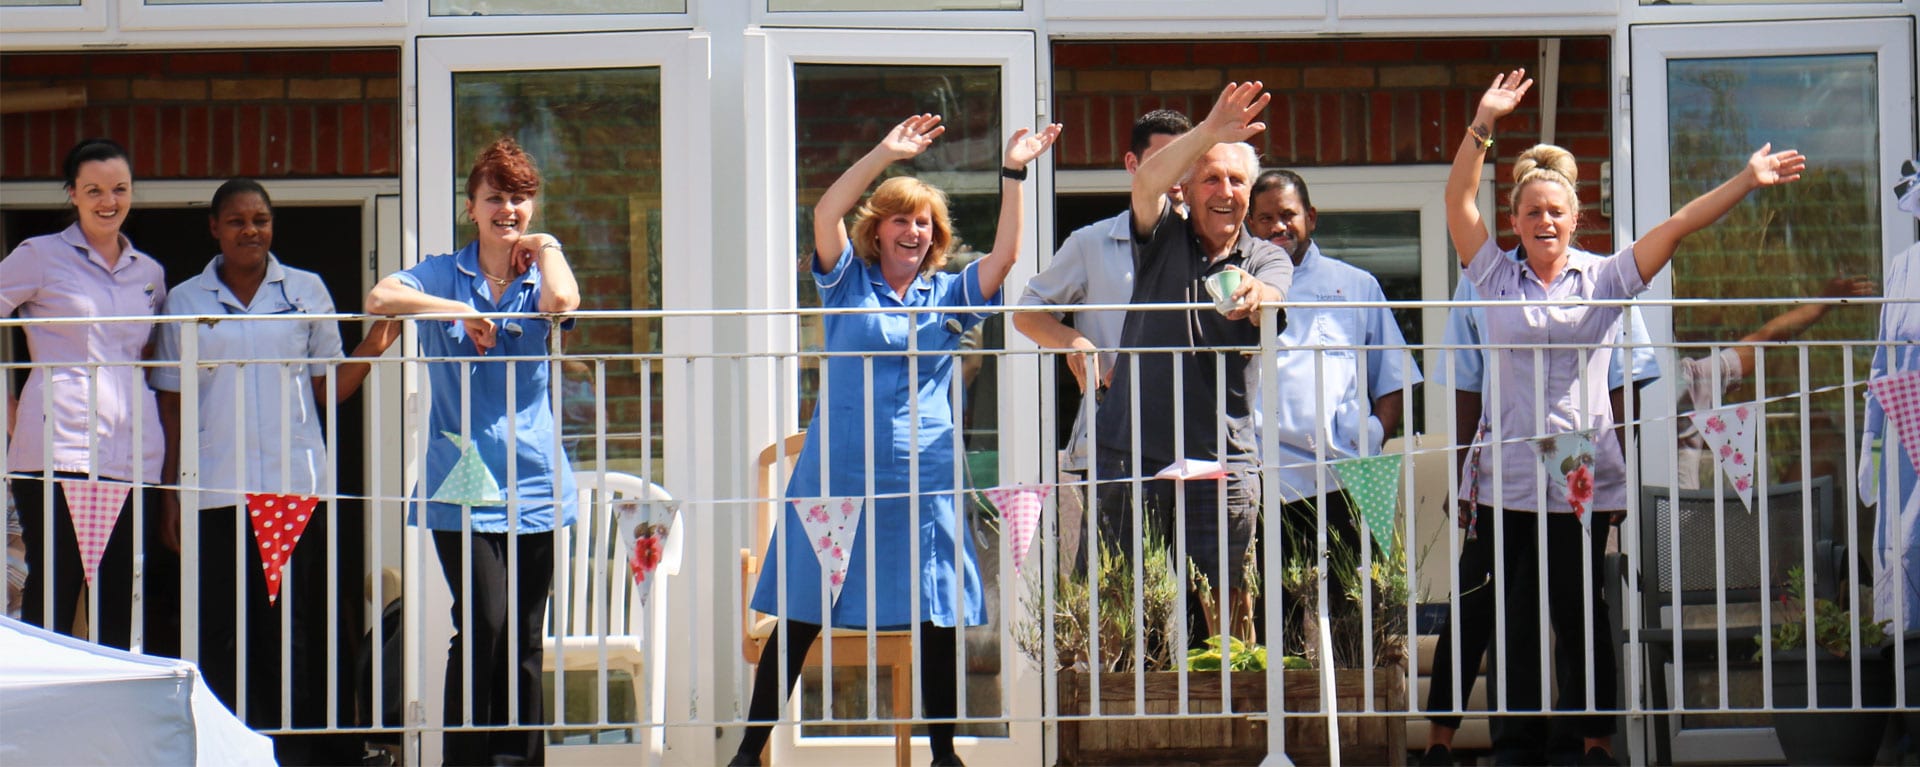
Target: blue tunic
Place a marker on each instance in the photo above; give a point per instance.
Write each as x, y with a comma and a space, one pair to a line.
1896, 529
887, 519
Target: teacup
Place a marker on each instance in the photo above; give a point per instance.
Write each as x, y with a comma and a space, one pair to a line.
1221, 285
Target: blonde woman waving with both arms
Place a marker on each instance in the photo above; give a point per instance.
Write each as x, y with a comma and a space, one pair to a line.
1545, 212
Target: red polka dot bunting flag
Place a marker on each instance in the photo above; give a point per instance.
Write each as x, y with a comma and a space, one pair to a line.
278, 520
94, 508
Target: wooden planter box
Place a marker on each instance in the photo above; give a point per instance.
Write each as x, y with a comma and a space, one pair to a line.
1197, 739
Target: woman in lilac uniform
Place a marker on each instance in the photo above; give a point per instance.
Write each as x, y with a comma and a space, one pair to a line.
1545, 211
89, 270
891, 258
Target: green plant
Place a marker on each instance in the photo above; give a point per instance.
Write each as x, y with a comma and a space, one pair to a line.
1073, 620
1244, 657
1832, 624
1383, 591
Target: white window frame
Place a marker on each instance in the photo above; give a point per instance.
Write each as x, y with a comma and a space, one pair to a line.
1419, 188
686, 215
1240, 11
772, 231
1400, 9
241, 15
87, 16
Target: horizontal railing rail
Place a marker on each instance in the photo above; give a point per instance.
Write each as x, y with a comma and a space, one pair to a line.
1705, 578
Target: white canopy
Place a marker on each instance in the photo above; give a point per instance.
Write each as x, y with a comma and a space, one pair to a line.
64, 701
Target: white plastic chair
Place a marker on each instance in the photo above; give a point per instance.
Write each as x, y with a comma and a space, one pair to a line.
596, 604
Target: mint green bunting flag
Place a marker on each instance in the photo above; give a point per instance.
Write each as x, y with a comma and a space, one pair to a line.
1374, 485
469, 482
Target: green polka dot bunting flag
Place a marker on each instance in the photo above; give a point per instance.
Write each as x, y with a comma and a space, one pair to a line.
469, 482
1374, 485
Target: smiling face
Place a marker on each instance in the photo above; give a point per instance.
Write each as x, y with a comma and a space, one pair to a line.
1544, 216
903, 239
1281, 218
1217, 191
501, 216
102, 195
244, 228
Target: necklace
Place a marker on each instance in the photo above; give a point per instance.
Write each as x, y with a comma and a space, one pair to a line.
498, 282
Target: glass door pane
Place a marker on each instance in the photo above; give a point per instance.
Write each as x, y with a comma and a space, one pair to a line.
1841, 94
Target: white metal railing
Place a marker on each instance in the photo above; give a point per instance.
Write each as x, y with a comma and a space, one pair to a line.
1686, 619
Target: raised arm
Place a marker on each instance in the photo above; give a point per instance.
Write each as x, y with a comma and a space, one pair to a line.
559, 291
1765, 168
907, 140
1231, 119
1009, 234
1464, 224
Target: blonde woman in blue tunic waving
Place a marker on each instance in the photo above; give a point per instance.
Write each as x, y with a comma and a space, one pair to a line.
892, 257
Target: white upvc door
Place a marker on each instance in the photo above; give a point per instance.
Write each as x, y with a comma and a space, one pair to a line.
817, 99
1703, 97
618, 124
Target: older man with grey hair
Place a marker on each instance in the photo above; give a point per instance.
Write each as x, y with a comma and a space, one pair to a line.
1174, 258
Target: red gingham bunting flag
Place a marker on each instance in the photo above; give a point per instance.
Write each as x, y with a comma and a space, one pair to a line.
94, 507
830, 524
1019, 516
1899, 395
278, 520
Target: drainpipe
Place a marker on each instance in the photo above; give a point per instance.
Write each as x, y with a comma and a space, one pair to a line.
1548, 76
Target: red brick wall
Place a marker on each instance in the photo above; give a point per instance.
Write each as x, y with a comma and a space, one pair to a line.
293, 114
1352, 102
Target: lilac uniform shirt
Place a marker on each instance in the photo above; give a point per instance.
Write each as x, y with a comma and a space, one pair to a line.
1573, 379
81, 390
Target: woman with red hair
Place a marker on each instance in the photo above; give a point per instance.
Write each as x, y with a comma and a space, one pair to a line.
507, 269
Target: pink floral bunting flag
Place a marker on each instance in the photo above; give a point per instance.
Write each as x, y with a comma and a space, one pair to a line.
1729, 432
1019, 516
95, 508
1899, 395
830, 524
278, 521
1569, 457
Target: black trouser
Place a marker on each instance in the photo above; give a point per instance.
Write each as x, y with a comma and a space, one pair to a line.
1568, 584
939, 697
1476, 626
1298, 523
113, 581
303, 590
488, 638
1161, 499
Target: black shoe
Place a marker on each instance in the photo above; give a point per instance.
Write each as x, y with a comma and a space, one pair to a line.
1599, 756
745, 760
950, 760
1437, 756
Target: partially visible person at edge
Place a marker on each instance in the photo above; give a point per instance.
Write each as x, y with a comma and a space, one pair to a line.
1544, 208
1888, 480
508, 268
892, 257
1322, 391
284, 403
85, 390
1094, 266
1174, 256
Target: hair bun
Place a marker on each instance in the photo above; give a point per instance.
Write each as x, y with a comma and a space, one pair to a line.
1546, 157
